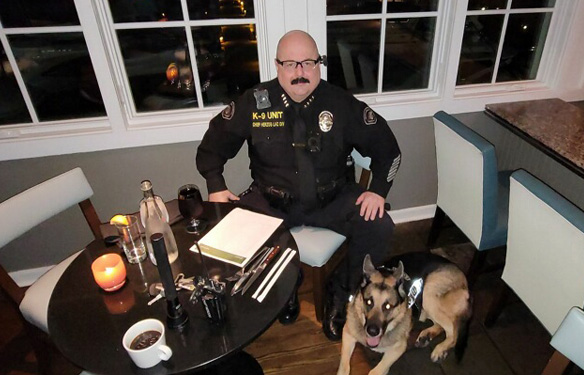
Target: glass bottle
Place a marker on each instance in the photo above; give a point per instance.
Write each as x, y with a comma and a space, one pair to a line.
154, 222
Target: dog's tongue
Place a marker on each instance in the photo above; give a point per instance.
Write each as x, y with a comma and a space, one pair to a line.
372, 342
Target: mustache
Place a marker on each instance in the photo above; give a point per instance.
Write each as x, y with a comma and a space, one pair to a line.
298, 80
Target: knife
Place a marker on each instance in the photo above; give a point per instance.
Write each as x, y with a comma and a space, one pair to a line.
259, 269
254, 262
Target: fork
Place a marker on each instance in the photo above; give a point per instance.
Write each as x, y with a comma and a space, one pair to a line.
236, 276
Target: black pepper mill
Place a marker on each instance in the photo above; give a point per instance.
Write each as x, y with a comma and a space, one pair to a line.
176, 316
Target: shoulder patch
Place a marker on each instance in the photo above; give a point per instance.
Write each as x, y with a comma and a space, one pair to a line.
228, 112
369, 117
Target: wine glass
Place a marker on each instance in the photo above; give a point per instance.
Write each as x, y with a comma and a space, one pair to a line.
190, 205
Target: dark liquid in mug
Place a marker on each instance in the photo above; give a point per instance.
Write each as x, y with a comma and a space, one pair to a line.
145, 340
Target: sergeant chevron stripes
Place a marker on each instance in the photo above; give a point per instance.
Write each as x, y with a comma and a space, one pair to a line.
394, 168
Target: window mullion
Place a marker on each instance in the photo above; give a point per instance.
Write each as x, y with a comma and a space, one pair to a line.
192, 55
19, 79
382, 47
500, 47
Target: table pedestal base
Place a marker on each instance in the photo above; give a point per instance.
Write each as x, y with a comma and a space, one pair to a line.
239, 363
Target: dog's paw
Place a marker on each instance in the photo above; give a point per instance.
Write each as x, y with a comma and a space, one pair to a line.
422, 341
438, 355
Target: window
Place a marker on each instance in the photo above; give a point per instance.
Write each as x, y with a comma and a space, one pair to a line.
46, 73
503, 40
396, 35
162, 55
174, 57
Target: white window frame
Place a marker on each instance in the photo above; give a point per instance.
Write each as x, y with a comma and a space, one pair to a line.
561, 75
442, 93
178, 117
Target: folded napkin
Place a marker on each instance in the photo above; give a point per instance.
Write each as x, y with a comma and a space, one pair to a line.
173, 213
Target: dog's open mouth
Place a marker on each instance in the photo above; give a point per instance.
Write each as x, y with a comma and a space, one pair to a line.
373, 342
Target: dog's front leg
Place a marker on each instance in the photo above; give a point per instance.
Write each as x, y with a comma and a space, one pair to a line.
347, 348
389, 358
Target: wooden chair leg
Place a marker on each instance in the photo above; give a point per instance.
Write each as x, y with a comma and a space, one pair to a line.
556, 365
497, 304
477, 263
50, 361
318, 291
437, 225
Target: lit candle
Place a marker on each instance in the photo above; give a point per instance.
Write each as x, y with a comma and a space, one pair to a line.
109, 272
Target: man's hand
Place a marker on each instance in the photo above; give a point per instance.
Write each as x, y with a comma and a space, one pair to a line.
223, 196
372, 205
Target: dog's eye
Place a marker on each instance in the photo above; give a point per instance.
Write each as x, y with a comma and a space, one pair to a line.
387, 306
369, 302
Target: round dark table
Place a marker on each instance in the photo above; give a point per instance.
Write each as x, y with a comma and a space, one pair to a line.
87, 324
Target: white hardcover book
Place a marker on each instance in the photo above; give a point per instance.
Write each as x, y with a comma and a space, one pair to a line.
237, 237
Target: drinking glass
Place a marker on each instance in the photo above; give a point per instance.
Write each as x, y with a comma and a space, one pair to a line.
190, 205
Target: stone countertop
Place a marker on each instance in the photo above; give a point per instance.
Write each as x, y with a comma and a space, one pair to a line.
553, 123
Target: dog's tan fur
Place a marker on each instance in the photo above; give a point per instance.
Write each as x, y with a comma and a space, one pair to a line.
446, 302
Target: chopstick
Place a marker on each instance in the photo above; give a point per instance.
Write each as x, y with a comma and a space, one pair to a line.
272, 271
285, 259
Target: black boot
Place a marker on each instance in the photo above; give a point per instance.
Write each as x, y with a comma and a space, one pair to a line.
292, 309
334, 317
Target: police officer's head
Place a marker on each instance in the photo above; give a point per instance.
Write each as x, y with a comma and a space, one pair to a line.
298, 80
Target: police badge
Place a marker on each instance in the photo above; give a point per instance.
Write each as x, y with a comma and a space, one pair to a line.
369, 117
228, 112
325, 121
262, 98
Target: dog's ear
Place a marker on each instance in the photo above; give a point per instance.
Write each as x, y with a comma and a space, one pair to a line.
398, 272
368, 269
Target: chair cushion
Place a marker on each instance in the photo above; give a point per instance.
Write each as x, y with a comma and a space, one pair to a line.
35, 304
316, 245
569, 338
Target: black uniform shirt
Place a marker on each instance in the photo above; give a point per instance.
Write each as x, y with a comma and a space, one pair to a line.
336, 117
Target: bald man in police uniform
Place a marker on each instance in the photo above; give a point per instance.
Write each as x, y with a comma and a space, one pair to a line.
300, 132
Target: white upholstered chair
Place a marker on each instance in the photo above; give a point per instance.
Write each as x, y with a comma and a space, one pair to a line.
23, 212
568, 342
545, 256
471, 190
323, 249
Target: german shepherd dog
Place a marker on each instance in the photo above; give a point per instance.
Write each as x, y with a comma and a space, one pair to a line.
380, 315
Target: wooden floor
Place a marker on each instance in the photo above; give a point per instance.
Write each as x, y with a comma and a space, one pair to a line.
516, 344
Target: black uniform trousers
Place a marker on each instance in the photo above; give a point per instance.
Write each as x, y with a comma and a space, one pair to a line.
342, 216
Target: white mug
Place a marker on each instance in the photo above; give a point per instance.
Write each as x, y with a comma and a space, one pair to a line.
154, 352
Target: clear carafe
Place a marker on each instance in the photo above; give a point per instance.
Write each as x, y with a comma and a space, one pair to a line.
155, 220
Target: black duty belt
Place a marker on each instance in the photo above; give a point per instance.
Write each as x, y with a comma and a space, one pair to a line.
282, 199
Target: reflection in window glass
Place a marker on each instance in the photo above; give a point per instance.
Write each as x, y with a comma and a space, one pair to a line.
211, 9
227, 60
20, 13
353, 57
145, 10
479, 49
402, 6
408, 53
58, 74
12, 107
486, 4
337, 7
523, 46
158, 68
533, 4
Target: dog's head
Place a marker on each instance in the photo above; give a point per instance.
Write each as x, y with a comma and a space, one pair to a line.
383, 300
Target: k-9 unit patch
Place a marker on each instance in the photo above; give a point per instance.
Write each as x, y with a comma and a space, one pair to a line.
325, 121
369, 117
229, 111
